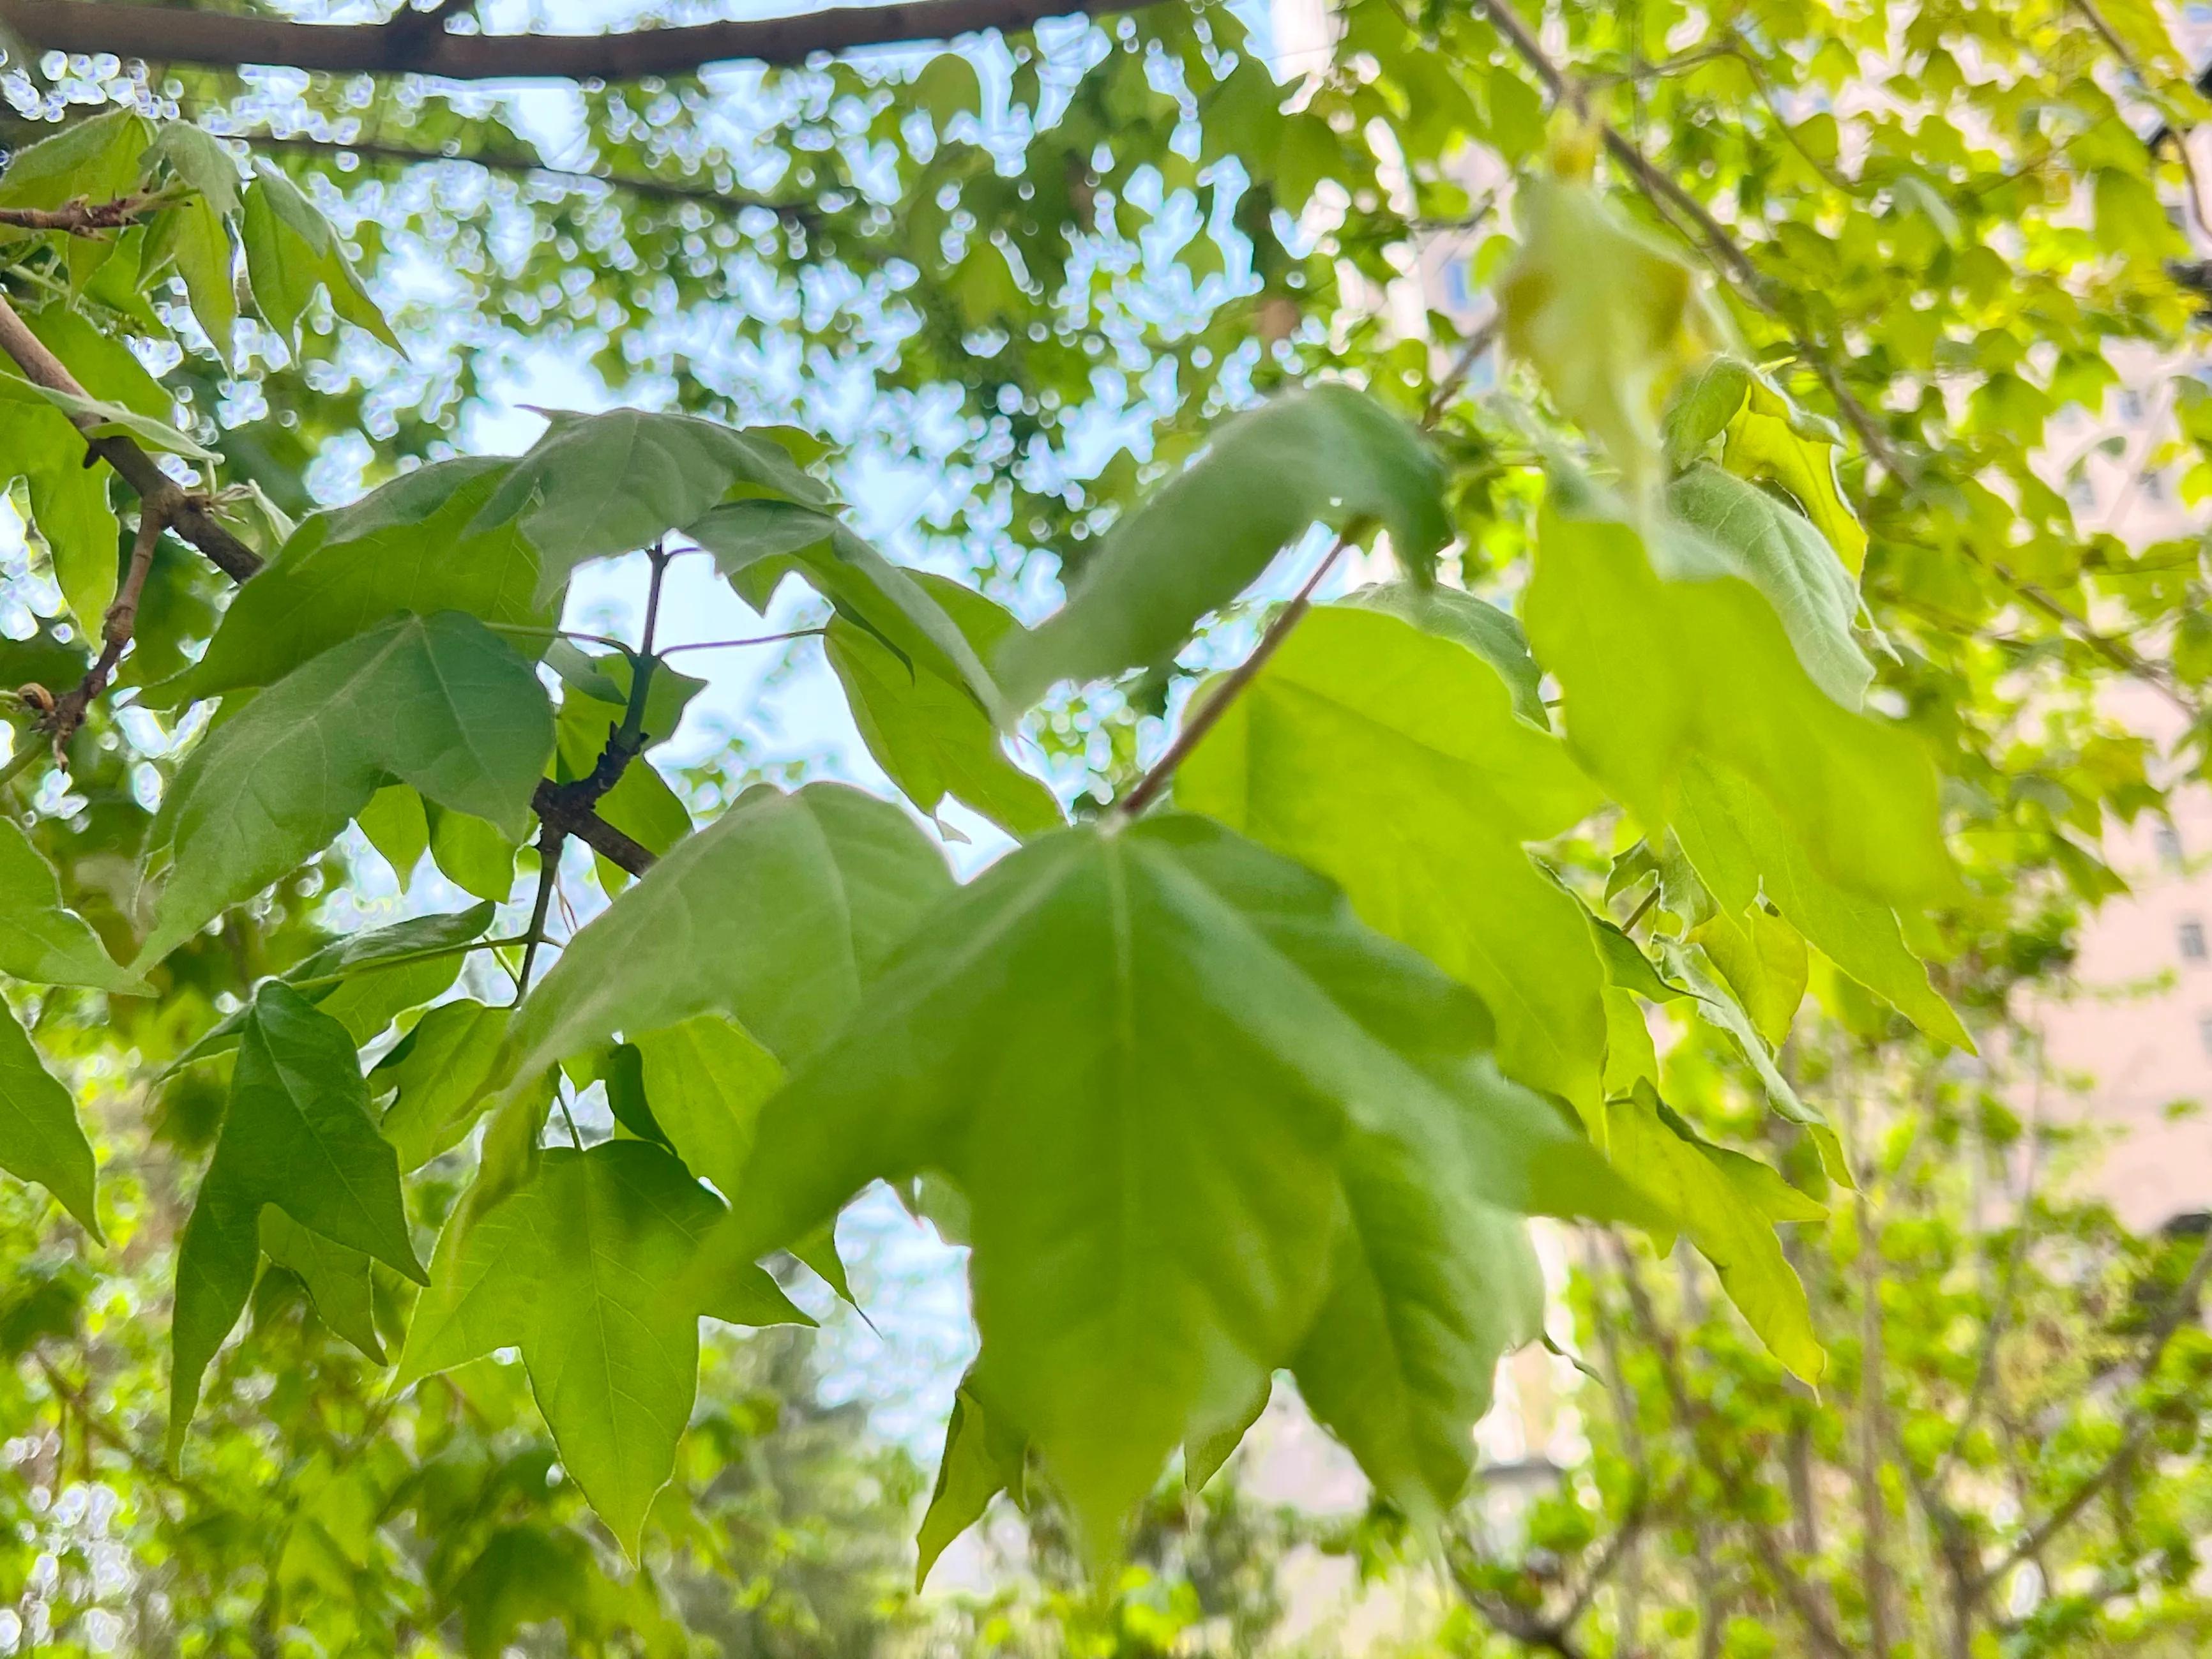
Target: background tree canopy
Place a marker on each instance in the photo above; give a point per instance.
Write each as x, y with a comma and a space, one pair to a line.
1232, 793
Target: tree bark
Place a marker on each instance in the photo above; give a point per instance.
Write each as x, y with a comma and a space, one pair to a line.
418, 43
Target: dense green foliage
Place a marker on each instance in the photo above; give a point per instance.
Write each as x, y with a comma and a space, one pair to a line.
1732, 699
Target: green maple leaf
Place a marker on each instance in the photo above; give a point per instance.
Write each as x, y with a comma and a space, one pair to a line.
774, 915
926, 730
1728, 1204
1771, 438
436, 1075
1492, 635
704, 1081
1777, 551
585, 1269
320, 591
98, 158
1659, 673
1609, 319
68, 500
1763, 959
42, 940
291, 250
296, 1134
438, 702
1392, 761
1741, 846
364, 981
1141, 1052
983, 1456
1424, 1298
40, 1138
756, 544
336, 1278
1327, 453
597, 485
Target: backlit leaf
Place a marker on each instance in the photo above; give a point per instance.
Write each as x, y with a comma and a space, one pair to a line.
597, 485
1492, 635
40, 1138
926, 730
1729, 1205
296, 1134
1139, 1052
318, 593
983, 1456
1392, 761
1660, 674
291, 250
584, 1270
336, 1278
774, 915
1742, 846
1328, 454
41, 939
1776, 550
437, 703
1607, 319
1771, 438
882, 599
436, 1076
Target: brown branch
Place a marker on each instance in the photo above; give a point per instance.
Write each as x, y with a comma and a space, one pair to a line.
114, 634
190, 515
418, 43
80, 217
656, 189
557, 812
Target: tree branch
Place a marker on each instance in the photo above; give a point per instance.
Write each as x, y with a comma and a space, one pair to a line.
418, 43
655, 190
80, 217
115, 631
190, 515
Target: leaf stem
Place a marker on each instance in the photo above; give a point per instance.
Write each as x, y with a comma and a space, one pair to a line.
529, 632
1203, 719
550, 842
408, 959
631, 738
561, 1099
731, 644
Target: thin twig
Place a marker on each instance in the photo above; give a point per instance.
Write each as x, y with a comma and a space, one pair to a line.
1203, 719
115, 631
2137, 1419
656, 189
732, 644
1470, 354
